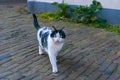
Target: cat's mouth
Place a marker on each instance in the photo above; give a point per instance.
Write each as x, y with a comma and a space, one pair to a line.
56, 42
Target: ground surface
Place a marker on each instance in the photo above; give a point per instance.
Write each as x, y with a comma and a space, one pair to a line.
88, 53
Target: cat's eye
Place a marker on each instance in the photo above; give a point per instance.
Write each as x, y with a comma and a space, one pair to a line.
61, 36
55, 36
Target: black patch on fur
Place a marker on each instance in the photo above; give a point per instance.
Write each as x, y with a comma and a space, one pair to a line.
40, 33
44, 38
36, 25
61, 32
45, 28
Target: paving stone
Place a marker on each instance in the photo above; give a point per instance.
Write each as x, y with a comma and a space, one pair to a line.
24, 65
77, 59
75, 74
5, 69
40, 76
48, 78
103, 77
4, 56
16, 76
31, 76
100, 59
82, 78
103, 46
26, 59
45, 68
108, 50
95, 75
77, 65
114, 76
8, 63
90, 70
80, 70
64, 75
4, 79
89, 62
111, 69
114, 57
63, 69
48, 72
104, 66
118, 68
117, 60
5, 74
108, 72
37, 63
4, 61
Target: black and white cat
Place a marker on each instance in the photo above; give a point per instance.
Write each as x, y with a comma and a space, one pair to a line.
51, 41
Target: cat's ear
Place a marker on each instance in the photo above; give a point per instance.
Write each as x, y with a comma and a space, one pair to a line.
53, 28
63, 28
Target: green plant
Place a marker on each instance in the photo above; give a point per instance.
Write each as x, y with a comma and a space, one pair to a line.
48, 15
87, 14
113, 28
108, 27
99, 23
62, 11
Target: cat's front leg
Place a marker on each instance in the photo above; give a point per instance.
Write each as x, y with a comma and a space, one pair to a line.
53, 62
40, 50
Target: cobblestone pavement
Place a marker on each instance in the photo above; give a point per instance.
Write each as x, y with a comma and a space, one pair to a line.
88, 53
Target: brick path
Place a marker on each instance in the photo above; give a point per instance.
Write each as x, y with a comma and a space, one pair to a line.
88, 54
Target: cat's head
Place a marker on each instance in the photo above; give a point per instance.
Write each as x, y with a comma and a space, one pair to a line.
58, 36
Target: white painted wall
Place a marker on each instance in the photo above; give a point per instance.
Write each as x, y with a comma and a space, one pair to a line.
48, 1
110, 4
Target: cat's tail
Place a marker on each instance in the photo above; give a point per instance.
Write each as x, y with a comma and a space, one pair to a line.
37, 26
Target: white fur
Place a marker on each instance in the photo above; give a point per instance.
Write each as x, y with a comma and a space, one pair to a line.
54, 46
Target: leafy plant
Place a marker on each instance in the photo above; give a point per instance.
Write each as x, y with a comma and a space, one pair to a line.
113, 28
48, 15
87, 14
63, 10
61, 13
108, 27
95, 6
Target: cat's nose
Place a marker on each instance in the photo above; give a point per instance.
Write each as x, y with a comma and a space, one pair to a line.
57, 40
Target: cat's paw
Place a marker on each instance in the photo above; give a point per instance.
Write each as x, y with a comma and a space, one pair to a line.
55, 70
41, 53
40, 50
